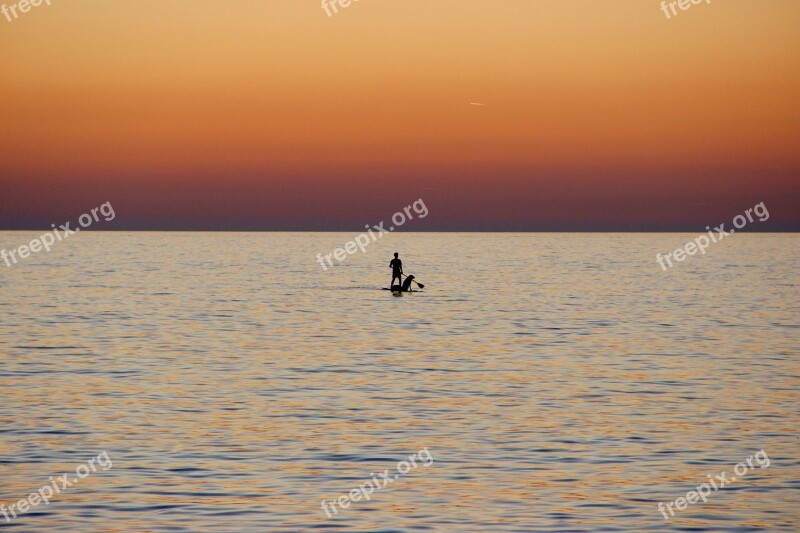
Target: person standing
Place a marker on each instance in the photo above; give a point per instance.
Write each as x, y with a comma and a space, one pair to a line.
397, 270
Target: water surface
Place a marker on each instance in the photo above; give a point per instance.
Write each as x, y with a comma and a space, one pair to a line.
562, 382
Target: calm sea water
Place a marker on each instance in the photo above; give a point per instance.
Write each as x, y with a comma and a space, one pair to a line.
561, 382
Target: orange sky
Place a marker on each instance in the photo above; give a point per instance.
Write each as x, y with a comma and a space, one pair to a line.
268, 114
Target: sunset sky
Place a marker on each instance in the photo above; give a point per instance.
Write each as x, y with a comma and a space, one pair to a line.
597, 115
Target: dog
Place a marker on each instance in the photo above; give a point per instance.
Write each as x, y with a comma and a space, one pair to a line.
405, 287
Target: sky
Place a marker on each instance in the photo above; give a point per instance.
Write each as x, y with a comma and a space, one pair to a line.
594, 115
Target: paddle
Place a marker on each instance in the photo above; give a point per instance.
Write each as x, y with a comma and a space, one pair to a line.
420, 285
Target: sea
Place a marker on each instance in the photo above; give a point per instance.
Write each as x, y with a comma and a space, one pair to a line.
559, 382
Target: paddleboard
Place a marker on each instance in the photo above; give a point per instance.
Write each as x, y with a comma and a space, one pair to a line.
393, 291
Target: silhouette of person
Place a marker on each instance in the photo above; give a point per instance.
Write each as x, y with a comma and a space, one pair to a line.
397, 270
